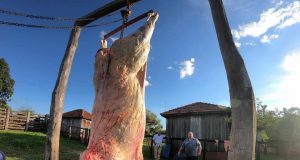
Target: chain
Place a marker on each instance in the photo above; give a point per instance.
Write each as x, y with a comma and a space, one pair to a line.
8, 12
125, 14
54, 27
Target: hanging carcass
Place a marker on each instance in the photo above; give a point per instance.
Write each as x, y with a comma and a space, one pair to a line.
119, 117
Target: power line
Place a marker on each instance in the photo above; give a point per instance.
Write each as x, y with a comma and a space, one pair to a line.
13, 13
54, 27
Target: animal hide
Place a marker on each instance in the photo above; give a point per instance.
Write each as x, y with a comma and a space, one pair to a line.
118, 121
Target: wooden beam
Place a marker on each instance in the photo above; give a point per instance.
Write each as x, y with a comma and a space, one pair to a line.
242, 100
58, 94
103, 11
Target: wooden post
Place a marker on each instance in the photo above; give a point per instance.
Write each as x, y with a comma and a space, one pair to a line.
242, 100
7, 119
70, 131
258, 151
204, 150
58, 95
86, 135
27, 121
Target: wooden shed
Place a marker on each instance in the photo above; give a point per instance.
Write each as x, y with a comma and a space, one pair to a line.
75, 122
206, 121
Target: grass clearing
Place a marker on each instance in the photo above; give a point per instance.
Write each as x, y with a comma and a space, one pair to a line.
20, 145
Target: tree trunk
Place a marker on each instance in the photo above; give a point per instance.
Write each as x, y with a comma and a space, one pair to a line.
58, 95
243, 131
119, 114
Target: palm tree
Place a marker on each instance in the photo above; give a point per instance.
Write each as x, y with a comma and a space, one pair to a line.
243, 131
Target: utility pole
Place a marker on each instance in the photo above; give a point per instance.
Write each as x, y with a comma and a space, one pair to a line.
58, 94
242, 100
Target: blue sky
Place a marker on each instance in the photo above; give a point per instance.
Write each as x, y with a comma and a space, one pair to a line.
185, 64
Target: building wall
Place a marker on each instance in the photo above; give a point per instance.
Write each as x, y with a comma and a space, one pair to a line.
206, 126
75, 127
85, 123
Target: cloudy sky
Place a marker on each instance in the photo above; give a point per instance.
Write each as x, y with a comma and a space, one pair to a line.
185, 64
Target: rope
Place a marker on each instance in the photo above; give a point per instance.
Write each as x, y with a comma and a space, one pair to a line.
13, 13
53, 27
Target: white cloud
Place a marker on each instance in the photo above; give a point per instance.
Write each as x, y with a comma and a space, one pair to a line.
169, 67
250, 44
285, 89
187, 68
237, 44
224, 103
147, 83
112, 38
268, 38
277, 18
102, 33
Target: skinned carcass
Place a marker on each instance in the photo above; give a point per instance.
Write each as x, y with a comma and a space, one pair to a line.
118, 122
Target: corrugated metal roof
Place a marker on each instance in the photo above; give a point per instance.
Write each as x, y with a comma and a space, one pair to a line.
197, 108
78, 113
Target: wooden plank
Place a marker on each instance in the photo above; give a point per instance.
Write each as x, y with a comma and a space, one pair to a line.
103, 11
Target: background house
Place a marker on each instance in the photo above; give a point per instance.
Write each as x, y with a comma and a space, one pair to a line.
207, 121
75, 123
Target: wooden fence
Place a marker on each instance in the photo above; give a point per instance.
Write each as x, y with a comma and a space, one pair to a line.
13, 120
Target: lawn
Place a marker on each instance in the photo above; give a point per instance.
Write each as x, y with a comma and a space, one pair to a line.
20, 145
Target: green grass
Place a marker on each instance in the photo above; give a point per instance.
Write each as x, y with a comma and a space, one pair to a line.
273, 157
20, 145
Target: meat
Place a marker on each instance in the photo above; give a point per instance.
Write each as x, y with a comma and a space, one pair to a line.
118, 121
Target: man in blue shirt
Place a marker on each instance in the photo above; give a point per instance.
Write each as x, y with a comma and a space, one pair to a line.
191, 147
2, 156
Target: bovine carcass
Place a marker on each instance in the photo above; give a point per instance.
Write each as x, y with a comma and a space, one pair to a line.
118, 121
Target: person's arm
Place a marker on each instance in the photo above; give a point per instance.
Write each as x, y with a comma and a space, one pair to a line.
153, 140
181, 148
199, 148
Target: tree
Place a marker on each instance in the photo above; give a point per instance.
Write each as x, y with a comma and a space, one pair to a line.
243, 110
6, 84
152, 123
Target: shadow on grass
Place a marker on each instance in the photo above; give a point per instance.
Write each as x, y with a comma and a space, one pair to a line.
20, 145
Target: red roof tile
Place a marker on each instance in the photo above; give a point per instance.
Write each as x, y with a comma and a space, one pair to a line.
78, 113
196, 108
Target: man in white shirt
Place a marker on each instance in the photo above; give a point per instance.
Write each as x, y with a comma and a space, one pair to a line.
157, 140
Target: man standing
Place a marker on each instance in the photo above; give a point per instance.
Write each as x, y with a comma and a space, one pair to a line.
157, 140
191, 147
2, 156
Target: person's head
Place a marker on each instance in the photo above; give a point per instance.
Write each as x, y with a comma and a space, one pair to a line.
190, 134
159, 132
